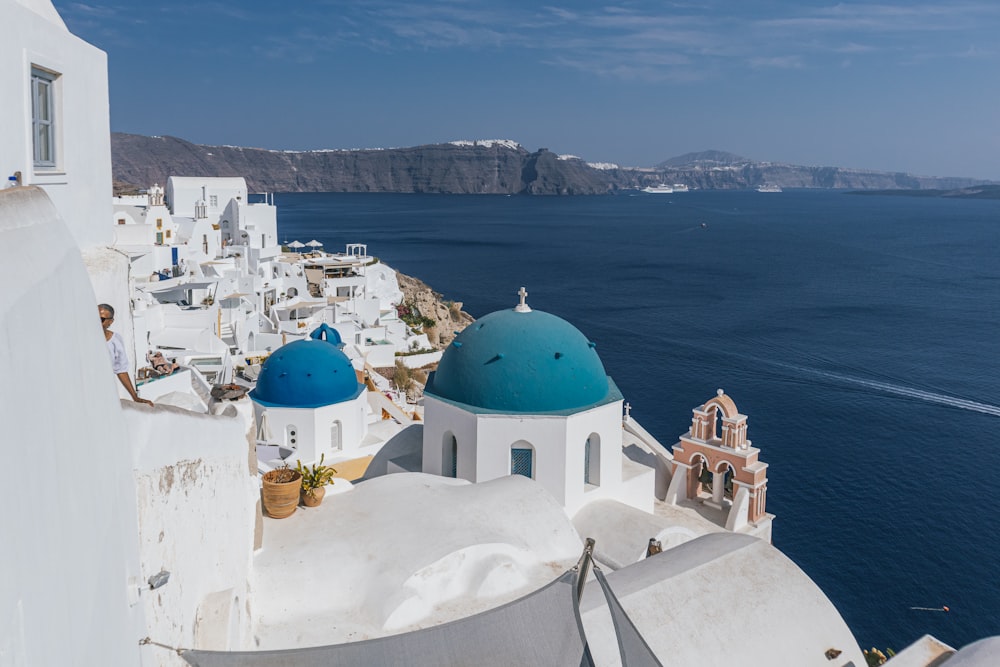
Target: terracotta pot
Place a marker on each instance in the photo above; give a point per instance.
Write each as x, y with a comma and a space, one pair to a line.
313, 499
281, 498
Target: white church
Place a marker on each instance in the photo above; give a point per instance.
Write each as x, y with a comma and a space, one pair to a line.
135, 534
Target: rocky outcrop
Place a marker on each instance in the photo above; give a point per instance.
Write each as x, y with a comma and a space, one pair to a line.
447, 316
489, 167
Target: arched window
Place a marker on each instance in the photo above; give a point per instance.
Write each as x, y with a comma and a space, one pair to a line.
522, 459
449, 455
336, 439
592, 460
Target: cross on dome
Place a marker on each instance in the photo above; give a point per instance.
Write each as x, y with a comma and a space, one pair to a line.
628, 411
523, 306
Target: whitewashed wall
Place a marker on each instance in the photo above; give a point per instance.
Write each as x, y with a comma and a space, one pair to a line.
182, 192
312, 426
197, 506
31, 33
70, 556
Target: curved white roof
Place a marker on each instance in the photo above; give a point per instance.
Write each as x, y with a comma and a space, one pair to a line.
719, 596
983, 653
404, 551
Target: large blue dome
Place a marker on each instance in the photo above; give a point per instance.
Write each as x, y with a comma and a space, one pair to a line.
512, 361
306, 374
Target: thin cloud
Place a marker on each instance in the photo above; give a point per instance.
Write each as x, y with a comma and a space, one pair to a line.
634, 40
777, 62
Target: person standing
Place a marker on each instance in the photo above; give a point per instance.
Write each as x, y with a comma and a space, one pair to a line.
116, 348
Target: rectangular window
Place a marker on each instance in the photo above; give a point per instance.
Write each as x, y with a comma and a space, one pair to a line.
213, 201
159, 223
521, 462
43, 109
168, 233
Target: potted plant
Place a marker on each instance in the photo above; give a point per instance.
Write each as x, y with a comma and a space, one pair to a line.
314, 478
280, 494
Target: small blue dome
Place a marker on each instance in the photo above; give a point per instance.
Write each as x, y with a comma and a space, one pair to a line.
532, 362
327, 333
306, 374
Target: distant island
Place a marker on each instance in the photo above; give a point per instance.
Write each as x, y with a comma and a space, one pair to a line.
477, 167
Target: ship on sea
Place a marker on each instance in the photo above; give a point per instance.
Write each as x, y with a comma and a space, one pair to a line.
661, 189
680, 187
768, 188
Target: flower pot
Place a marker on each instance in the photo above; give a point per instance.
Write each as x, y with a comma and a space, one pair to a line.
313, 499
281, 492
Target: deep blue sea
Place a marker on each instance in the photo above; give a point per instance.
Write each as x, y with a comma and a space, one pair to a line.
861, 334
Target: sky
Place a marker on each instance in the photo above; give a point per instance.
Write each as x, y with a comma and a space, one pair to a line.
889, 86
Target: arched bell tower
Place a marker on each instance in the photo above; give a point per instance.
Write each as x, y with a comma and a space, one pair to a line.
715, 464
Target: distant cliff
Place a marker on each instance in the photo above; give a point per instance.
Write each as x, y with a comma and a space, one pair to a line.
487, 167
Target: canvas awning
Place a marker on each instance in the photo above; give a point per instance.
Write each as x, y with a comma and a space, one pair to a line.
543, 628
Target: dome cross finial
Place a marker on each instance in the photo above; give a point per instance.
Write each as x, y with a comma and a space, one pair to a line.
523, 306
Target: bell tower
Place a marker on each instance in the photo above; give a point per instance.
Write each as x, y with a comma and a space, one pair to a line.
715, 464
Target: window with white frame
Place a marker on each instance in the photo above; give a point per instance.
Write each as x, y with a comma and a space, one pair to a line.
43, 116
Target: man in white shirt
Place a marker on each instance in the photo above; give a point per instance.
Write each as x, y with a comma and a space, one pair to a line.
116, 348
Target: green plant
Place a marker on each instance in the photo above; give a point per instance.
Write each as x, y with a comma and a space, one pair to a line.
876, 657
401, 378
315, 476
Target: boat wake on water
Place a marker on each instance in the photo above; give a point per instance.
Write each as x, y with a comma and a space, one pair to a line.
909, 392
881, 386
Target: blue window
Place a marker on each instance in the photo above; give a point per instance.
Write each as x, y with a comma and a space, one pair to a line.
522, 462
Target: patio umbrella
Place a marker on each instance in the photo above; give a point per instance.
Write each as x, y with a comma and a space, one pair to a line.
264, 430
315, 244
296, 245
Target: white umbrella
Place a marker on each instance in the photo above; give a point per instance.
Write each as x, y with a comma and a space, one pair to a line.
315, 244
296, 245
264, 430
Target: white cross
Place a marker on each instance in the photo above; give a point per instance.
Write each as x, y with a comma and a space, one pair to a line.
523, 306
628, 410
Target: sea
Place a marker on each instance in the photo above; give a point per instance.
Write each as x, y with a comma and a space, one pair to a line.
860, 334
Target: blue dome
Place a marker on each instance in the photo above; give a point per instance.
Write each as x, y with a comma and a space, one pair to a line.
532, 362
306, 374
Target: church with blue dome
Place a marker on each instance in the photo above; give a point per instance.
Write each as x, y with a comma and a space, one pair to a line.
521, 391
308, 399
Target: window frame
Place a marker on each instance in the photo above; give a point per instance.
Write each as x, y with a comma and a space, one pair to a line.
47, 127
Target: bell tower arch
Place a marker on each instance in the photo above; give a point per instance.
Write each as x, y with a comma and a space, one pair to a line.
715, 464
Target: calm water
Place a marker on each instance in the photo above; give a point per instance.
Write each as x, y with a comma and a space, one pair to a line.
860, 335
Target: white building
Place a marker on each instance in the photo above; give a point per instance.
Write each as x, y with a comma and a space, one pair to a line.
135, 530
56, 133
524, 392
308, 400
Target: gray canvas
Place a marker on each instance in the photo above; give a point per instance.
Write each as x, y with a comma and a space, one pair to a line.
543, 628
635, 652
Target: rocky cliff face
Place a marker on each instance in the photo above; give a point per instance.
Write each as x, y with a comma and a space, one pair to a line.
472, 168
490, 168
448, 316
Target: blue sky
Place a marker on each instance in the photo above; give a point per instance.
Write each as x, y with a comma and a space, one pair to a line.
898, 86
